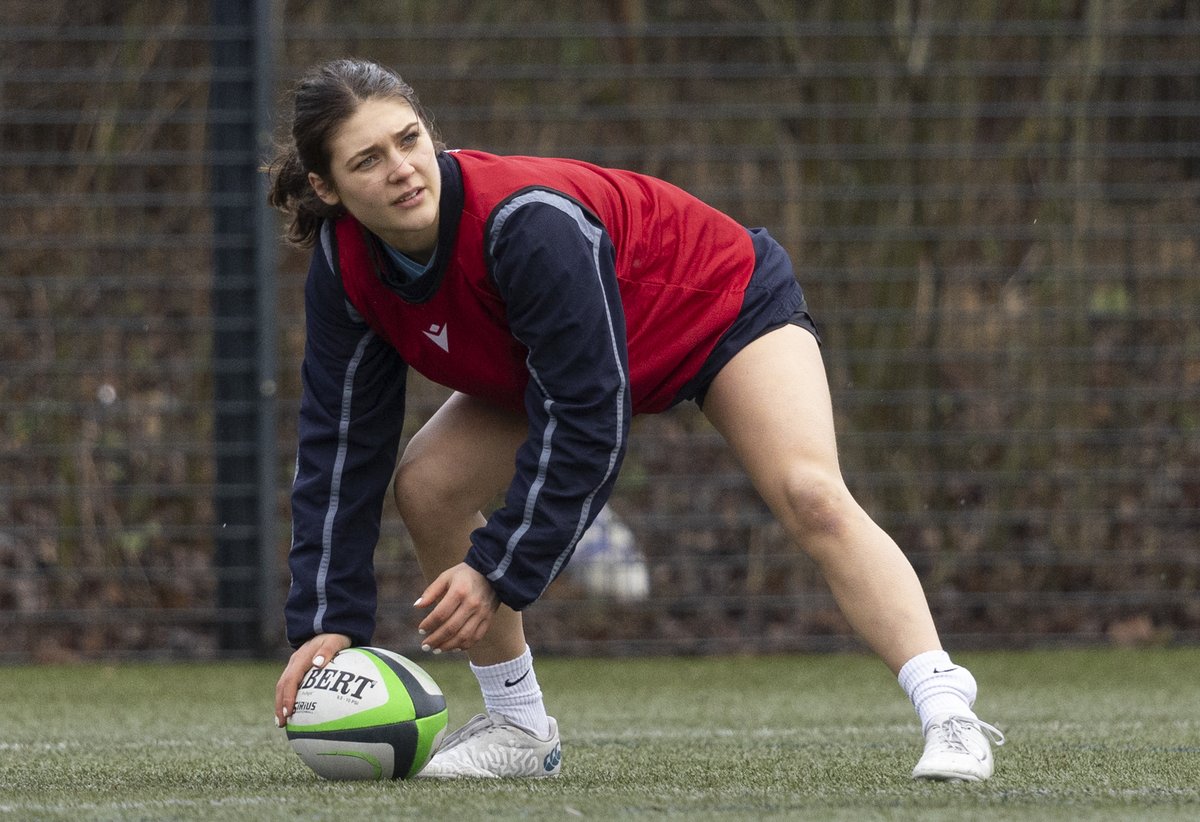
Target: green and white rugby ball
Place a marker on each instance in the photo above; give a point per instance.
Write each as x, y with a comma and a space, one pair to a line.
368, 714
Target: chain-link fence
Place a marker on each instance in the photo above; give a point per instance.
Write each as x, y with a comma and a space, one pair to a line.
994, 208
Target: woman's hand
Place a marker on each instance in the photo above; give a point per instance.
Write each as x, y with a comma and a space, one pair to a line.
316, 653
463, 603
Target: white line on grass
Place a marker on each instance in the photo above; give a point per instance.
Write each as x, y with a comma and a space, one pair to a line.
60, 807
740, 733
72, 744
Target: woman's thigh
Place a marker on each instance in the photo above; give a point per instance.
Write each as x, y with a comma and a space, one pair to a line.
771, 403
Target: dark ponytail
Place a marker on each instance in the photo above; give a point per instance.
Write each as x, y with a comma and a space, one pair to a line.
292, 194
323, 99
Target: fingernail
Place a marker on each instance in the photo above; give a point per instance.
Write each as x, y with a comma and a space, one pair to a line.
425, 648
285, 712
437, 651
318, 660
417, 604
421, 631
278, 724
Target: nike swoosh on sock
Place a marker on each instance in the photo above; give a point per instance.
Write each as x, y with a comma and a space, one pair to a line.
510, 683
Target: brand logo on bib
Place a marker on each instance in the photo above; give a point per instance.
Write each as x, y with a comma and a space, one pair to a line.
437, 333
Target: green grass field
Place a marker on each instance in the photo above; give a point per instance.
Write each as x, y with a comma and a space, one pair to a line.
1092, 735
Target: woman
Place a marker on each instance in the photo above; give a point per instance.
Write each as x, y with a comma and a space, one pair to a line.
557, 299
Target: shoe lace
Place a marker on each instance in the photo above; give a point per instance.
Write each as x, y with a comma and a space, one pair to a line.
952, 729
476, 725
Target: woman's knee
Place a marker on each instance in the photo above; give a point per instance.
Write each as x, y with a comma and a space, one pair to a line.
420, 483
459, 460
427, 480
431, 479
815, 503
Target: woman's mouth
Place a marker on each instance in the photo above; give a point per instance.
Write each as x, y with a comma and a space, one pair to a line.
408, 196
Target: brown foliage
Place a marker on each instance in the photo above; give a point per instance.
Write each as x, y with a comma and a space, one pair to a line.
993, 213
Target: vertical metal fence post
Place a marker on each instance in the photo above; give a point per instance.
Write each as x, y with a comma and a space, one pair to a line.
266, 234
244, 348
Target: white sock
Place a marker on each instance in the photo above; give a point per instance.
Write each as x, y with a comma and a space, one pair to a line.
937, 687
511, 690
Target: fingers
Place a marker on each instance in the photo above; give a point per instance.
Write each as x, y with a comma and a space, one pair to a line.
463, 603
316, 653
434, 591
461, 629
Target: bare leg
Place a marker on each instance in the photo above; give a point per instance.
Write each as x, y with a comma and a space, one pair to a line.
772, 404
454, 466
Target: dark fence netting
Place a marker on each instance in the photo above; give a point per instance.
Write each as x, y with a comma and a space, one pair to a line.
993, 207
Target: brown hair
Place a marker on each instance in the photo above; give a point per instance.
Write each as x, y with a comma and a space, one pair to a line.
324, 98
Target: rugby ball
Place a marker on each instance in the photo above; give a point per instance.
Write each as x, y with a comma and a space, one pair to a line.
368, 714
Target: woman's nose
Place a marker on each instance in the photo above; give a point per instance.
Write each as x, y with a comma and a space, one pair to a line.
400, 166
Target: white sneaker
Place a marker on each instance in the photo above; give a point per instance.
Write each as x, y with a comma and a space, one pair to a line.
489, 746
958, 749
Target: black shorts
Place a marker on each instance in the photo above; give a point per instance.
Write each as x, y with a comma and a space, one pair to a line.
772, 300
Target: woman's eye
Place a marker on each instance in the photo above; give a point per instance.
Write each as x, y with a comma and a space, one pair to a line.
366, 162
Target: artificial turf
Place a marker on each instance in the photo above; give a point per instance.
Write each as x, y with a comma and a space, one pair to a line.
1093, 734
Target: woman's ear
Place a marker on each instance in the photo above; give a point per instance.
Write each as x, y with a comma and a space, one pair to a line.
323, 189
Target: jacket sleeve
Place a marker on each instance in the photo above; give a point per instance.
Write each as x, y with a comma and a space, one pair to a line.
351, 415
553, 264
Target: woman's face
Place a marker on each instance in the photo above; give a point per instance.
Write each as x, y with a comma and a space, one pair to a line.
383, 170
